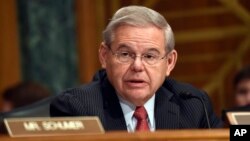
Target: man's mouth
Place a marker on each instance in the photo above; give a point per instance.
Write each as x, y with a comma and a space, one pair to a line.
136, 83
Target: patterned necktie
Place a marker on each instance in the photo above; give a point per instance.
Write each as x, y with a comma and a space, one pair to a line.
141, 115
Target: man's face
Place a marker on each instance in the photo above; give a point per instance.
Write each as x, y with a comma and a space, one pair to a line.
137, 81
243, 93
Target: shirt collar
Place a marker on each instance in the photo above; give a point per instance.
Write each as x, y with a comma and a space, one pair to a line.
128, 110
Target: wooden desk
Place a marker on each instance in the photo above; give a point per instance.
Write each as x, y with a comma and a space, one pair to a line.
166, 135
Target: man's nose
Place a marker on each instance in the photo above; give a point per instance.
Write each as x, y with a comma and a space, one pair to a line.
137, 64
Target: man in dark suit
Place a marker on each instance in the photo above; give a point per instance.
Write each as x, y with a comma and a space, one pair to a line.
133, 91
241, 85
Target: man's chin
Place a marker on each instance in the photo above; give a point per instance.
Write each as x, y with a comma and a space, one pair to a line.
139, 97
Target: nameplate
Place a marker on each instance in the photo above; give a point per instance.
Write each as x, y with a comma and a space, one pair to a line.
239, 118
54, 126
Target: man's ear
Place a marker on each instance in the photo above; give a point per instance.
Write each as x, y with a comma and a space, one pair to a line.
171, 61
103, 54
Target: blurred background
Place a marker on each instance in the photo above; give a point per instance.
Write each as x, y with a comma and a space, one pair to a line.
55, 42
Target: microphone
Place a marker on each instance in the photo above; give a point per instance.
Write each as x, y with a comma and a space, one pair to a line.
187, 95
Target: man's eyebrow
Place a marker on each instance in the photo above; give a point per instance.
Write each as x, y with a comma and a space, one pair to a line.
127, 46
153, 50
124, 46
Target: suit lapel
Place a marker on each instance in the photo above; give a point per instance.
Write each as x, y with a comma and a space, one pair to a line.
166, 112
114, 119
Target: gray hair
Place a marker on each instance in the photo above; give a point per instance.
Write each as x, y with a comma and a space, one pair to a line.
139, 16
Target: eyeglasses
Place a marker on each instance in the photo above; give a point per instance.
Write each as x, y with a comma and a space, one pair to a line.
126, 57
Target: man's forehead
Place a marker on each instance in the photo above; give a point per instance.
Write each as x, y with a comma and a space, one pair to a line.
129, 37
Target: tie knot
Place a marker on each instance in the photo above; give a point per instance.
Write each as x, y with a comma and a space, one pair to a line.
140, 113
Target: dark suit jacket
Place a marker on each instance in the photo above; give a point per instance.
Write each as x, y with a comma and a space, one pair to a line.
171, 111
